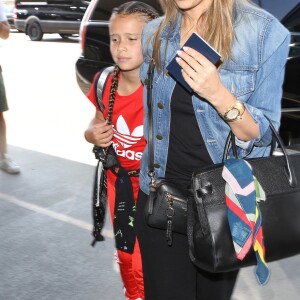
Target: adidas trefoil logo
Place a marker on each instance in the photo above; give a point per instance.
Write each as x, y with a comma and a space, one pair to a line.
123, 135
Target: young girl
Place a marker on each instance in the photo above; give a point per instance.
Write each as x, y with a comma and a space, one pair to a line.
122, 97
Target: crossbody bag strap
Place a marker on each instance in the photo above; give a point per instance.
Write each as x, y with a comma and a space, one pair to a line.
149, 83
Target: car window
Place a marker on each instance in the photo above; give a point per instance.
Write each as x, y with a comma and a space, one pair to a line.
292, 23
292, 20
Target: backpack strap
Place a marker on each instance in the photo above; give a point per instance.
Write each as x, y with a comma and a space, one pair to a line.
100, 181
101, 82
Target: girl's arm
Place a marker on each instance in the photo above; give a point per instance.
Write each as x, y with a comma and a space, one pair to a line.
98, 132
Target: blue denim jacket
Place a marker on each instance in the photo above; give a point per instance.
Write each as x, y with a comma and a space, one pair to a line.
255, 70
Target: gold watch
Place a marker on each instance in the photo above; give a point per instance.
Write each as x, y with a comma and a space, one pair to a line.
234, 112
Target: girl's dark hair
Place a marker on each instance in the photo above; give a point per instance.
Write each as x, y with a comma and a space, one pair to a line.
136, 7
128, 8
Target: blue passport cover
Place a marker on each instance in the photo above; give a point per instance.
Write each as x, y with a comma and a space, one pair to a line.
196, 42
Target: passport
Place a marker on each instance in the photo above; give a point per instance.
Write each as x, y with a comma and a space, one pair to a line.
196, 42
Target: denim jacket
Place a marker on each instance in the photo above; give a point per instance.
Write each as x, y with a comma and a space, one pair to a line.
255, 71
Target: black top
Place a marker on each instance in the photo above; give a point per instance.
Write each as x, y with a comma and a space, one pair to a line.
187, 151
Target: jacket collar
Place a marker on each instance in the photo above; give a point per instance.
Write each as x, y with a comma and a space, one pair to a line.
172, 33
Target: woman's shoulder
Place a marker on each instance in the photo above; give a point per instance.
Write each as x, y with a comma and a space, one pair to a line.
247, 12
152, 26
148, 37
252, 20
247, 8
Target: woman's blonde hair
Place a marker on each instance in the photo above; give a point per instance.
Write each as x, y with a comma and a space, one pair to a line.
218, 30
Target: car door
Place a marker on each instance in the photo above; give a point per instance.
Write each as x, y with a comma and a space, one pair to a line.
291, 89
62, 10
81, 7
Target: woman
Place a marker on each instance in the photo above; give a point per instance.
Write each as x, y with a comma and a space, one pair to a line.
190, 129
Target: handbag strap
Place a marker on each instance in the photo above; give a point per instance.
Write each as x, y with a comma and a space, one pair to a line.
230, 143
149, 83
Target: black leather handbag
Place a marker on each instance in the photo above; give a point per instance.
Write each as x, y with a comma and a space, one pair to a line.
167, 208
209, 236
167, 204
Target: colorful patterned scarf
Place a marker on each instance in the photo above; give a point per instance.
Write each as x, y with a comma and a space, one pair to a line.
242, 194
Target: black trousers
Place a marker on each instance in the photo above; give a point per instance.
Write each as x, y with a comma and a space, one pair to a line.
168, 272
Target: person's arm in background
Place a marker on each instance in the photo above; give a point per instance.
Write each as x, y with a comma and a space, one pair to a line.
4, 26
4, 30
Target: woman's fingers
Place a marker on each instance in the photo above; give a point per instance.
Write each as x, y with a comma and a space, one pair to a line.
194, 58
199, 73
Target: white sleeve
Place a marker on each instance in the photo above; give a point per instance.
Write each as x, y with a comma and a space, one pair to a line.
2, 12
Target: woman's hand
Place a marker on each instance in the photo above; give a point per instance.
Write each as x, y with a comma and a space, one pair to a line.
98, 132
200, 74
203, 77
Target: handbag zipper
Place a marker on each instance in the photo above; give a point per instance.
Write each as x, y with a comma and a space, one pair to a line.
176, 198
170, 213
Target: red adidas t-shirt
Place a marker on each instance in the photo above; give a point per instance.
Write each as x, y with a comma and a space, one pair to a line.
127, 121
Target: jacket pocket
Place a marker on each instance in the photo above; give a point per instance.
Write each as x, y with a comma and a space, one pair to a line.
240, 80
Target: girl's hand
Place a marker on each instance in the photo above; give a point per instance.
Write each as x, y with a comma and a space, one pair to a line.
98, 132
200, 74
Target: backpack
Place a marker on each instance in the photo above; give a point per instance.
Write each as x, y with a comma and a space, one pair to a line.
100, 86
99, 197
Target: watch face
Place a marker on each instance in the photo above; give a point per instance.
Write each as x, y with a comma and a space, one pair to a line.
232, 114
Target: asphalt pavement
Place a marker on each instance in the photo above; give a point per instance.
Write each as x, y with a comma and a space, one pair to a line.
45, 233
